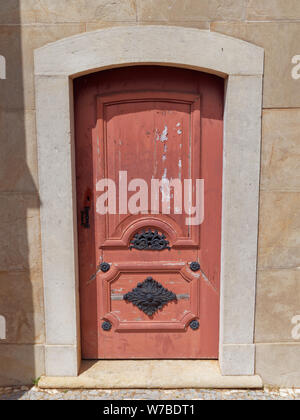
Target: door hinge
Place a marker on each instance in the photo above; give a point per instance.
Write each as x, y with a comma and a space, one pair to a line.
85, 217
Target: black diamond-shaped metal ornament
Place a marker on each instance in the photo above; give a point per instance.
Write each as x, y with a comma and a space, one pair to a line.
150, 296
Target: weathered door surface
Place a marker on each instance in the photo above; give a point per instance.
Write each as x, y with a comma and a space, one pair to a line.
149, 281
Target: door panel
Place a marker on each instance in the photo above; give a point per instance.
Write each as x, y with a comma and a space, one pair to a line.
160, 126
150, 123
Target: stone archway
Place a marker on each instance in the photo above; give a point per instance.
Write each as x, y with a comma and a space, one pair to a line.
241, 64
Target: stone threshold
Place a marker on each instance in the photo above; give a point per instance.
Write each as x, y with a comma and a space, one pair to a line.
155, 374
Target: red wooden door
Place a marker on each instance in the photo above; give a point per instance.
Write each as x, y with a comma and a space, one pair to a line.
140, 295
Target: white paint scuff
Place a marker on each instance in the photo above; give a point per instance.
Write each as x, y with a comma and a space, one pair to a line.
165, 188
164, 134
180, 168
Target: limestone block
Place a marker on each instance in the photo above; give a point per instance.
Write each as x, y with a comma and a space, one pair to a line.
61, 360
59, 219
10, 12
11, 87
281, 150
62, 11
277, 303
20, 364
237, 359
18, 157
177, 10
20, 247
279, 364
17, 44
273, 10
240, 215
166, 374
279, 230
21, 303
281, 42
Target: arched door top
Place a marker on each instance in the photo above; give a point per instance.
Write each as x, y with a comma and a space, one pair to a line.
203, 50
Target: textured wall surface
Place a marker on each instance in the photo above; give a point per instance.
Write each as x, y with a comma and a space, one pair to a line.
271, 24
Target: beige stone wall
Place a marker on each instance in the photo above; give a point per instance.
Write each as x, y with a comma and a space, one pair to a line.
271, 24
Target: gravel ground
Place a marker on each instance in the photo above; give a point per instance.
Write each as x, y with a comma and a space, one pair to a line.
34, 393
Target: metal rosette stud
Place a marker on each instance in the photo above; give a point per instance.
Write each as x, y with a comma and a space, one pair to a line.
195, 266
104, 267
106, 326
194, 325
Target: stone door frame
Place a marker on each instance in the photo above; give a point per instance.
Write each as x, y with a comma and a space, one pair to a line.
56, 65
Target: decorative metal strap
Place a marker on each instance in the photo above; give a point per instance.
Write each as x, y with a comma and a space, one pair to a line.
149, 240
149, 296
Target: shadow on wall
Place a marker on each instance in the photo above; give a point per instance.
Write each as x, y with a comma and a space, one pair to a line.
21, 301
